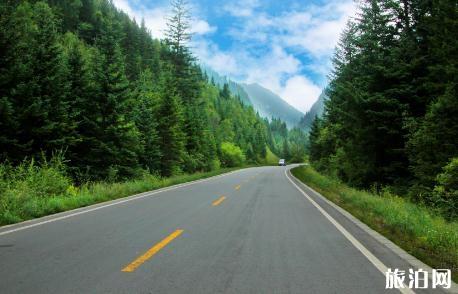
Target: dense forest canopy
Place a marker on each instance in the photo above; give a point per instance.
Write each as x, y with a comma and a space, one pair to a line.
391, 119
81, 77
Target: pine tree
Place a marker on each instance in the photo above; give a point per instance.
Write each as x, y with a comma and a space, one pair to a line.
188, 85
177, 33
285, 150
146, 117
314, 135
82, 92
117, 136
172, 144
34, 90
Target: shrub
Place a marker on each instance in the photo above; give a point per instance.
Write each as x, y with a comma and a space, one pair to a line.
34, 189
215, 164
231, 155
445, 194
24, 187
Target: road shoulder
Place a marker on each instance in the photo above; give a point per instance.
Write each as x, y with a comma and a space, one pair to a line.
389, 253
86, 209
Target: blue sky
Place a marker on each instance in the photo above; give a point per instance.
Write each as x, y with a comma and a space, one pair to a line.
284, 45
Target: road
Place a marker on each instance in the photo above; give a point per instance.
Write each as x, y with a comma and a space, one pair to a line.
250, 231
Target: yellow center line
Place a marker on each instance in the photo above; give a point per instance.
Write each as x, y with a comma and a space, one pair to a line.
237, 187
152, 251
218, 202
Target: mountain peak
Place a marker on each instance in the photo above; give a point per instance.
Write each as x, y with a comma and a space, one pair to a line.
264, 101
269, 104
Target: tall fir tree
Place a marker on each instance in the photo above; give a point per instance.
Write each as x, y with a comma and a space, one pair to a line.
146, 117
34, 89
172, 137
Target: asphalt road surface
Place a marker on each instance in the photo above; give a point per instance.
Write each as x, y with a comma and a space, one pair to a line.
250, 231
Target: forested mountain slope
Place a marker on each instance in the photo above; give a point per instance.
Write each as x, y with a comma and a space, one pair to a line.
270, 105
316, 110
83, 78
235, 88
266, 103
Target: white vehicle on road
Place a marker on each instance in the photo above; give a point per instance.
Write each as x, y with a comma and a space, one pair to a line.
282, 162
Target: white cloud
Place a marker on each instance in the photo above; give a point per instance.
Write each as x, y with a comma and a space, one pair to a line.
300, 92
317, 31
201, 27
211, 55
242, 8
271, 69
156, 19
124, 6
280, 72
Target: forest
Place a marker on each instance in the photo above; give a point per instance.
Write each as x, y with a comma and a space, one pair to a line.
391, 120
80, 79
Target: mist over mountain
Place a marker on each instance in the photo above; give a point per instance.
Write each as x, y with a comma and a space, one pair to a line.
264, 101
269, 105
317, 109
235, 88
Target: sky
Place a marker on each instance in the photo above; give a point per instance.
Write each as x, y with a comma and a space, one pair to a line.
284, 45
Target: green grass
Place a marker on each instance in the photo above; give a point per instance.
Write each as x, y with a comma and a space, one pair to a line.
30, 190
419, 231
271, 158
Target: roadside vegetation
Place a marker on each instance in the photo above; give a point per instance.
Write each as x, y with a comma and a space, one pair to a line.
271, 158
34, 189
419, 230
391, 119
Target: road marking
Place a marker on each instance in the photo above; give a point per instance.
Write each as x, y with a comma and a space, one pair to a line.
83, 210
151, 252
374, 260
218, 202
237, 187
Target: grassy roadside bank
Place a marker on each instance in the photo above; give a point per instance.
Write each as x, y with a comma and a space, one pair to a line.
34, 191
417, 230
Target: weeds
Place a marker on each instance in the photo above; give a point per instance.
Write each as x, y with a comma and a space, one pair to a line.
32, 189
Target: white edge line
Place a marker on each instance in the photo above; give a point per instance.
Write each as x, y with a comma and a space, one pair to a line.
409, 259
374, 260
115, 202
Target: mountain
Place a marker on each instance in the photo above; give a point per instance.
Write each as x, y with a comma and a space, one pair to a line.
235, 88
269, 105
263, 101
317, 109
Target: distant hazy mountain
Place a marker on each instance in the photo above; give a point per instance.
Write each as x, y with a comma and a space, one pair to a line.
269, 105
266, 103
234, 87
317, 109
